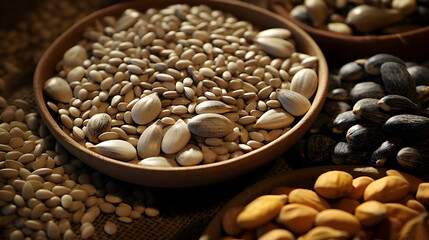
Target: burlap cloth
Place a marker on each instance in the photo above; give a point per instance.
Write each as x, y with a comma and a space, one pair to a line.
184, 213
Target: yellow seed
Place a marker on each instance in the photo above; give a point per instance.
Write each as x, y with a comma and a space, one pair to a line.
339, 220
412, 180
309, 198
334, 184
325, 233
278, 233
422, 194
359, 186
297, 217
387, 189
346, 204
370, 213
229, 221
400, 212
260, 211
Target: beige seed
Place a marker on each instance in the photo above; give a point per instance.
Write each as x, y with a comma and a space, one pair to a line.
26, 158
38, 210
60, 190
125, 219
7, 173
67, 122
27, 191
113, 198
68, 234
151, 212
43, 194
123, 210
66, 201
60, 212
43, 171
88, 217
79, 195
91, 201
88, 188
16, 235
34, 224
107, 208
53, 202
254, 144
110, 228
53, 231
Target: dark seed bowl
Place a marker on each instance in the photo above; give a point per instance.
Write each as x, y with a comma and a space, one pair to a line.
410, 45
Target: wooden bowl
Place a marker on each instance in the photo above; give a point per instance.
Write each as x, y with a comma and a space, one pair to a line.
409, 46
303, 178
181, 176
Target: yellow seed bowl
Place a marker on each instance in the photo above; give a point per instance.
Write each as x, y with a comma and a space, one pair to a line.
302, 178
192, 175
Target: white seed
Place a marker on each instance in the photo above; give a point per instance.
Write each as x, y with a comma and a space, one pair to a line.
212, 106
98, 124
276, 47
158, 162
275, 32
128, 18
189, 156
210, 125
273, 119
74, 57
293, 102
146, 109
176, 137
317, 11
117, 149
149, 143
305, 82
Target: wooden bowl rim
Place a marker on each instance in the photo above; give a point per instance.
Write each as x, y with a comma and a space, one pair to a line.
71, 145
277, 8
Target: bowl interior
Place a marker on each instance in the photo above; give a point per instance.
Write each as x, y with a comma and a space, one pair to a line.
409, 46
182, 176
303, 178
